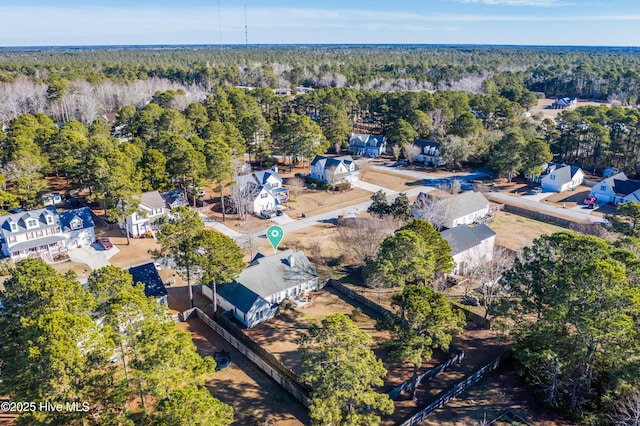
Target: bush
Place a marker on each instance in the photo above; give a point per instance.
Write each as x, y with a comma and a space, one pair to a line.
7, 266
315, 183
344, 186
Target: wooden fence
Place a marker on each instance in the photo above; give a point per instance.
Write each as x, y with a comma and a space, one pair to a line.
399, 390
362, 300
261, 358
456, 390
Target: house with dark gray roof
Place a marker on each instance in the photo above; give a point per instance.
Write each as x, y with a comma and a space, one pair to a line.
560, 178
616, 189
471, 246
334, 169
429, 152
262, 190
147, 275
448, 212
45, 234
174, 198
564, 103
365, 144
254, 296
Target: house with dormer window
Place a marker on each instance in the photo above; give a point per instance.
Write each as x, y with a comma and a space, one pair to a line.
45, 233
334, 170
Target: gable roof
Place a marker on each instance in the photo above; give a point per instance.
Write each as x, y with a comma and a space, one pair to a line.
363, 139
269, 275
457, 206
238, 295
148, 275
258, 178
84, 214
174, 198
565, 173
20, 219
423, 143
152, 199
625, 187
464, 237
330, 162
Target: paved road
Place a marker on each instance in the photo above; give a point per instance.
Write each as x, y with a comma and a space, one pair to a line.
579, 213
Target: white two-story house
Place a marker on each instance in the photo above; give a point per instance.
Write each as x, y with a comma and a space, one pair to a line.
45, 234
334, 170
429, 152
262, 190
616, 189
141, 222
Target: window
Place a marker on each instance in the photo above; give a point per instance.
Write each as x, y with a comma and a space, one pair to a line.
32, 223
49, 219
552, 177
13, 226
264, 195
603, 187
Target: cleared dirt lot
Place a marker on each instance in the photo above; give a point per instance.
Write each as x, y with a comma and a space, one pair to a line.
390, 180
544, 107
255, 397
516, 232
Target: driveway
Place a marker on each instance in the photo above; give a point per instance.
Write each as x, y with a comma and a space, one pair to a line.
94, 255
578, 213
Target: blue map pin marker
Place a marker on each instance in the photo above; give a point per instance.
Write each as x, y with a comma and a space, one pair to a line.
275, 234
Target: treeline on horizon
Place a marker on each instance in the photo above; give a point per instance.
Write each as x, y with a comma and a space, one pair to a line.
587, 72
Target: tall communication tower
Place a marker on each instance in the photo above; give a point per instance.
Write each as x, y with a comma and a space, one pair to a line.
246, 31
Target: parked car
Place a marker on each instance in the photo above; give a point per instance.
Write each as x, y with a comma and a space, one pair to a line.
105, 243
195, 191
267, 214
536, 190
279, 212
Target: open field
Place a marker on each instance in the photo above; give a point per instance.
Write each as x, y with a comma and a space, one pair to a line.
516, 232
544, 107
313, 202
389, 180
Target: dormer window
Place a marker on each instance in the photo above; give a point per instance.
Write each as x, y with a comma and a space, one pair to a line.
49, 219
13, 226
32, 223
75, 224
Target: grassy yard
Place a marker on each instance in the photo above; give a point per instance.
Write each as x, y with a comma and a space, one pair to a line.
516, 232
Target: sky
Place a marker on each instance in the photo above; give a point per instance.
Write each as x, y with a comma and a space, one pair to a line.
146, 22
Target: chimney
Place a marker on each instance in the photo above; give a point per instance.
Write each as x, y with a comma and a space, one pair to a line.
291, 260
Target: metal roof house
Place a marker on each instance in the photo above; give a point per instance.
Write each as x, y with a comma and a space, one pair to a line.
254, 296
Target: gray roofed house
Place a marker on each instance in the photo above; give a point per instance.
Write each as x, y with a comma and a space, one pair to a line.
616, 189
448, 212
174, 198
35, 233
79, 227
471, 246
141, 222
365, 144
254, 296
429, 152
262, 190
147, 274
334, 169
561, 178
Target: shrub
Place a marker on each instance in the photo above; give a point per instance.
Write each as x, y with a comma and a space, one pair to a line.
344, 186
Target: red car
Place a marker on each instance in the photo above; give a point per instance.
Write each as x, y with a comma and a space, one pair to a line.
105, 243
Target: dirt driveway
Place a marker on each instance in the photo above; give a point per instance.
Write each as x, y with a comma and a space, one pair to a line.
254, 396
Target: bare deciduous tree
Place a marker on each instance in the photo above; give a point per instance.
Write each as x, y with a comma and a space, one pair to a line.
627, 409
434, 210
361, 238
363, 168
489, 275
296, 186
411, 152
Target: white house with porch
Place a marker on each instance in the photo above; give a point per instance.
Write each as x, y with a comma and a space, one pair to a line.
262, 190
44, 233
616, 189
